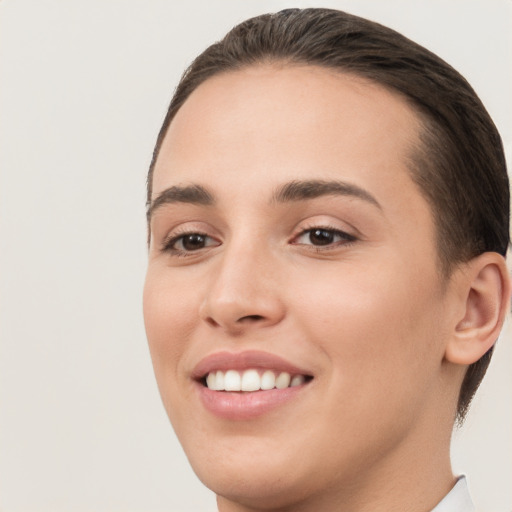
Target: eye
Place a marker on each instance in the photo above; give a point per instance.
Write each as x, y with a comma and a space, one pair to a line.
320, 236
189, 242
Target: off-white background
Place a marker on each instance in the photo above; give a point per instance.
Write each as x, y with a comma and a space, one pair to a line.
83, 89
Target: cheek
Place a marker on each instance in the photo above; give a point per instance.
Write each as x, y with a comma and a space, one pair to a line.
170, 316
376, 329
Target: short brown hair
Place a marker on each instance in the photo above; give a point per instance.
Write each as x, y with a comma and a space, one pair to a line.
460, 165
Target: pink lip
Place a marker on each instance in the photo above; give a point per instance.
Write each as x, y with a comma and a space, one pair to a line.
244, 406
243, 361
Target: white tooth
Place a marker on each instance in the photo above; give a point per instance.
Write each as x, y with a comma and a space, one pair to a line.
250, 381
283, 381
219, 380
297, 380
268, 380
232, 381
211, 381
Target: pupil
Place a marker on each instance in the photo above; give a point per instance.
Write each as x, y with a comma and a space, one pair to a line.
321, 237
191, 242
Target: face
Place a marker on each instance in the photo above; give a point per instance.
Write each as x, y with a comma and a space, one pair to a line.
293, 302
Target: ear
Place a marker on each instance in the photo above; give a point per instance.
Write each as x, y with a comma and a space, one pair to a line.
484, 286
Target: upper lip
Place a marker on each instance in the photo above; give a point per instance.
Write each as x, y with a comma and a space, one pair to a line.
243, 361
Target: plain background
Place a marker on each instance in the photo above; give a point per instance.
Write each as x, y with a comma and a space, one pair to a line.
84, 85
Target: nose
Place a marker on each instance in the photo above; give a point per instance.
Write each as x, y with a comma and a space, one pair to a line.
243, 291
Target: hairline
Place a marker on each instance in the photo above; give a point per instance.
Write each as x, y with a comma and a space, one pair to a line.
414, 153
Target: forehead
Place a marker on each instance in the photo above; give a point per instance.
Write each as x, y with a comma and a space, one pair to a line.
271, 115
245, 133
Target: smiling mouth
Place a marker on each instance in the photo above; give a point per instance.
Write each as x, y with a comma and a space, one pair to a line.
252, 380
248, 385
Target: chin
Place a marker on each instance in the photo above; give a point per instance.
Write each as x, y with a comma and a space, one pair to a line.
255, 476
260, 487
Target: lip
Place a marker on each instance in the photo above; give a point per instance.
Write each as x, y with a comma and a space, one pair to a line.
236, 406
243, 361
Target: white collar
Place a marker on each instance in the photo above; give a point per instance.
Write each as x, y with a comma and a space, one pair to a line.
457, 500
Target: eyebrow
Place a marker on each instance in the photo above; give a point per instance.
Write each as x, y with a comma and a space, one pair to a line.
289, 192
310, 189
192, 194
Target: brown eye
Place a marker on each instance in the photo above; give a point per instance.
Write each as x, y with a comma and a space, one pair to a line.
189, 242
193, 242
321, 237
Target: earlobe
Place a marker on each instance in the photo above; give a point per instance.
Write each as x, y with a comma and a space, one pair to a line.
485, 285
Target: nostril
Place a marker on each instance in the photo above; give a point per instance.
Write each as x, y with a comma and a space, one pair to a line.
241, 320
212, 322
251, 318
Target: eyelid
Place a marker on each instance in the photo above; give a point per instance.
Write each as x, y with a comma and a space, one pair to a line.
170, 241
168, 223
335, 221
328, 225
177, 233
188, 227
347, 238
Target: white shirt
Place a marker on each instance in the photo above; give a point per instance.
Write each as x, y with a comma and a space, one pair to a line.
457, 500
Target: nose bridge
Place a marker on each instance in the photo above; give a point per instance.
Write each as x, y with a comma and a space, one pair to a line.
243, 291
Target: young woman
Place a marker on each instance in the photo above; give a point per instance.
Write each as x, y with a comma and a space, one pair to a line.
328, 218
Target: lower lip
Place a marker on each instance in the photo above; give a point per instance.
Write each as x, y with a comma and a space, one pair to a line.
245, 406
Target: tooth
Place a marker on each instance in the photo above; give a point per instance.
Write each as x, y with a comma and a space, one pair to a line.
211, 381
268, 380
250, 381
219, 381
297, 380
283, 381
232, 381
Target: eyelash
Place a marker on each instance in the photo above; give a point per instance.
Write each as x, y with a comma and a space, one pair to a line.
168, 245
347, 239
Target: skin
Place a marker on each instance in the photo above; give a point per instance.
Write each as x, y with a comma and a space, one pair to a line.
369, 316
